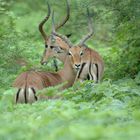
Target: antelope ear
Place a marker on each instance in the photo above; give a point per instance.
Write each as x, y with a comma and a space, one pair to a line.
84, 46
68, 35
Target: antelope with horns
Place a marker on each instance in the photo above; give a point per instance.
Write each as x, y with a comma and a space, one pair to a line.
92, 67
58, 39
31, 81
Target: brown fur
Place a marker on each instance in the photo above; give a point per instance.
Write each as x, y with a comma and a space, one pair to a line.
31, 81
89, 57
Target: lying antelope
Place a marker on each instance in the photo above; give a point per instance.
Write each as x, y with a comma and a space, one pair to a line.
87, 60
31, 81
92, 67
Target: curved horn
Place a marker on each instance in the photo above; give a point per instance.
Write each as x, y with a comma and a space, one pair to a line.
53, 23
64, 38
66, 18
43, 22
90, 29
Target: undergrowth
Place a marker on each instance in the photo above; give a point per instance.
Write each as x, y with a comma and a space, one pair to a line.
85, 111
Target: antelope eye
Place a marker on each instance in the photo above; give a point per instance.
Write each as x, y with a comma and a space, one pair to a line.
51, 47
62, 49
69, 53
81, 53
46, 46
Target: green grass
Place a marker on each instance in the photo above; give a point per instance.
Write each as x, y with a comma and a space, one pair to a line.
106, 111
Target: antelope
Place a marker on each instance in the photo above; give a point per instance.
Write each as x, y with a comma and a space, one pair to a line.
29, 82
92, 67
57, 39
88, 62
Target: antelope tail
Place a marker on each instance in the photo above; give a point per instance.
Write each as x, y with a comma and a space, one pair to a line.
26, 95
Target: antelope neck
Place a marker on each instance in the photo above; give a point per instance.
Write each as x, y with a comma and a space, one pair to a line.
68, 74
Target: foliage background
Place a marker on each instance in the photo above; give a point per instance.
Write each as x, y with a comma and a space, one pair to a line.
106, 111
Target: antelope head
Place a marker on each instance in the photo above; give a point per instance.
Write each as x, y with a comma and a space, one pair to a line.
54, 44
77, 52
74, 53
